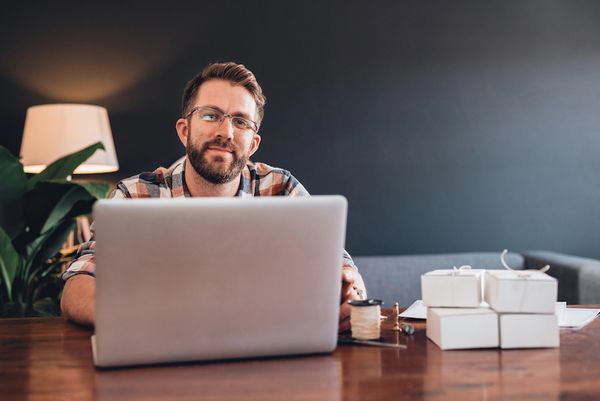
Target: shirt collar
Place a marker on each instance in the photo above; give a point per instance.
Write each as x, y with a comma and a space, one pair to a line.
179, 188
246, 188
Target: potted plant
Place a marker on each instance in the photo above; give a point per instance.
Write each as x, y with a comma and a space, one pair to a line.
37, 213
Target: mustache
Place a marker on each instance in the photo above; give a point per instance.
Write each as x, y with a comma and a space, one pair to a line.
221, 143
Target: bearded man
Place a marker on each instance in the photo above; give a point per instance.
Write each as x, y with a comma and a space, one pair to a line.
222, 109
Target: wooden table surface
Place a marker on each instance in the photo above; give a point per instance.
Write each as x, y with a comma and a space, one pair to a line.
51, 359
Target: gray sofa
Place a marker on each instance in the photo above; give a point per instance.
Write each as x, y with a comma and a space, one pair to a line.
398, 278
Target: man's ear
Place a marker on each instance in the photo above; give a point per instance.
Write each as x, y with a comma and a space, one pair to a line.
254, 145
183, 130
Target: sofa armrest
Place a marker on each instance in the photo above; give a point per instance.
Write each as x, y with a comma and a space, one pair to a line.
578, 278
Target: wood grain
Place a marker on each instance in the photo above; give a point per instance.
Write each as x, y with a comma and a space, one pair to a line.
50, 359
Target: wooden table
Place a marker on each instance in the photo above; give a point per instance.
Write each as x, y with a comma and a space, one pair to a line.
50, 359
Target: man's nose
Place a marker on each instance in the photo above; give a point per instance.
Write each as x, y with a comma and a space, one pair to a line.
226, 128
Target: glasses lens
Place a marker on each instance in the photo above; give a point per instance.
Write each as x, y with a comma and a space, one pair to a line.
241, 123
210, 115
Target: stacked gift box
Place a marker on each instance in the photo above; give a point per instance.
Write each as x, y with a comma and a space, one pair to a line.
518, 309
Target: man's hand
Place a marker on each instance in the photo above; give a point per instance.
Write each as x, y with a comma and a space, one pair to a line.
352, 288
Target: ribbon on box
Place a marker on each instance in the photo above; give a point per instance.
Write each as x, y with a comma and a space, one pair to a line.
521, 273
454, 273
525, 274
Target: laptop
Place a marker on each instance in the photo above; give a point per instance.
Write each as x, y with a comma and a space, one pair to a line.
200, 279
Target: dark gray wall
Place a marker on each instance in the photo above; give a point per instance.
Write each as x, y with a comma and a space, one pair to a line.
449, 126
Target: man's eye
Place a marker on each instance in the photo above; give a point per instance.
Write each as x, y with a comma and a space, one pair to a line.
209, 117
240, 122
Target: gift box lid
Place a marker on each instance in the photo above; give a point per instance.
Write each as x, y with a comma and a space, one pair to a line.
520, 275
454, 273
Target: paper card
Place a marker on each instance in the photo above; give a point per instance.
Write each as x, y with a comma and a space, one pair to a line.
452, 288
462, 328
567, 317
529, 291
415, 311
576, 318
529, 331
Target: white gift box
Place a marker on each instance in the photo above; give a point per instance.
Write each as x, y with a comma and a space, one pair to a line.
462, 328
528, 291
529, 331
452, 288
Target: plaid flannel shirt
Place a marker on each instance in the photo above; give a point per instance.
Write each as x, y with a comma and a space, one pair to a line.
258, 179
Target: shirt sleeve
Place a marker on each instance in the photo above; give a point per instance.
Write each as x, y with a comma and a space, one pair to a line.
294, 188
85, 261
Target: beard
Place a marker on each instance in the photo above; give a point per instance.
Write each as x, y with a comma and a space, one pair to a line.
217, 170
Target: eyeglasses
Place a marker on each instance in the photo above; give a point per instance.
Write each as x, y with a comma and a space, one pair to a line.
211, 115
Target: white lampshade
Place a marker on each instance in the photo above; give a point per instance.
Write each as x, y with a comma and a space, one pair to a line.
56, 130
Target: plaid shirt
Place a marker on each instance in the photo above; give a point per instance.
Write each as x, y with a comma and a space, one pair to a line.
258, 179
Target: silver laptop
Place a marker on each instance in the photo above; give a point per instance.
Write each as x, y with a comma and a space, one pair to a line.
216, 278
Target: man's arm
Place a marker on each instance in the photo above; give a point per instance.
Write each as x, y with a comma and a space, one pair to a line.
78, 302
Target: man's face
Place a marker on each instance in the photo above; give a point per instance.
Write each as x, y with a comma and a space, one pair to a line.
218, 151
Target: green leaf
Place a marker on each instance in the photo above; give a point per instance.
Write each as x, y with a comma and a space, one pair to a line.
64, 167
50, 268
9, 263
12, 188
52, 201
44, 247
64, 206
97, 189
80, 208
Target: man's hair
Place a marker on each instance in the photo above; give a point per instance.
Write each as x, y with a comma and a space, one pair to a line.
237, 74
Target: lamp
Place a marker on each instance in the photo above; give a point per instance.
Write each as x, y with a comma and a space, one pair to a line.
55, 130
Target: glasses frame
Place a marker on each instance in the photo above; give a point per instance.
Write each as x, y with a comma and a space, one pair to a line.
253, 126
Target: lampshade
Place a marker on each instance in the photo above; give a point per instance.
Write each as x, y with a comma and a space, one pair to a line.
55, 130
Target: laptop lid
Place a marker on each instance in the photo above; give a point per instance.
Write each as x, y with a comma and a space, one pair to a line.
216, 278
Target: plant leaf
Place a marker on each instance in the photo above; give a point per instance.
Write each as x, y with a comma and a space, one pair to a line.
80, 208
64, 206
51, 268
97, 189
44, 248
64, 167
12, 188
9, 262
49, 204
52, 201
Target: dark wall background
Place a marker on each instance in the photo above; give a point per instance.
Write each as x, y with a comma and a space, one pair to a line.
448, 125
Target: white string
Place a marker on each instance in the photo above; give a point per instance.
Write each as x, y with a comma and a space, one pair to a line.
521, 273
365, 322
463, 268
454, 272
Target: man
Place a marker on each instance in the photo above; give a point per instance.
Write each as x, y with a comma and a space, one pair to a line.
223, 107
